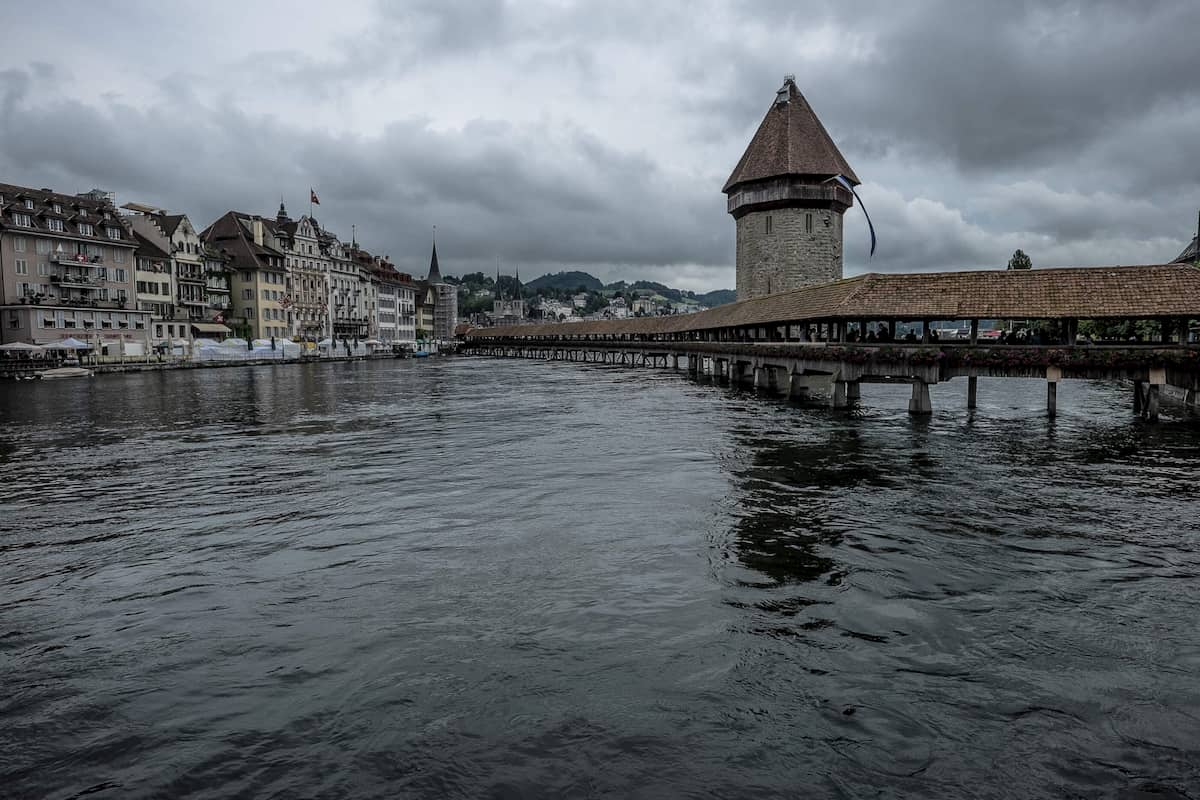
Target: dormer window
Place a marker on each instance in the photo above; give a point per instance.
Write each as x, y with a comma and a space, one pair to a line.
28, 203
85, 229
58, 208
24, 220
54, 225
113, 233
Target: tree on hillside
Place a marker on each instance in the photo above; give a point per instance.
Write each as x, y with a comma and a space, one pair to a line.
1020, 261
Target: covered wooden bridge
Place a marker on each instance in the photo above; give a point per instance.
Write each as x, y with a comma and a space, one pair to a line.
842, 334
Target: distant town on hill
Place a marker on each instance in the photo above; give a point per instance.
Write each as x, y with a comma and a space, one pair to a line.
585, 291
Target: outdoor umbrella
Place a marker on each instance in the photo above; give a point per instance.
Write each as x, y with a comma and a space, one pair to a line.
23, 347
69, 344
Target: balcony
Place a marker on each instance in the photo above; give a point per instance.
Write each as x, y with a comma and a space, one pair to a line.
79, 260
77, 281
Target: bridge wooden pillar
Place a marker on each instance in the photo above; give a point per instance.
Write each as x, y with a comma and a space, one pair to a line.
837, 397
1053, 376
798, 388
919, 403
853, 392
972, 390
974, 336
760, 377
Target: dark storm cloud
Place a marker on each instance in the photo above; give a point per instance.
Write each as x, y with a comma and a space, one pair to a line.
1067, 129
496, 190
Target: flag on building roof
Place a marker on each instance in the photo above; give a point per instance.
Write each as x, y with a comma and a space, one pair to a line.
312, 196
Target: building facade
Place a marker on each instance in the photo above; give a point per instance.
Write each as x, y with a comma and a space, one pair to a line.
787, 202
307, 249
66, 268
155, 289
191, 311
508, 310
257, 275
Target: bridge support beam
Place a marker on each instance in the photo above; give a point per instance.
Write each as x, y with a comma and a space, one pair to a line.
972, 391
798, 388
853, 392
1053, 376
761, 377
919, 403
837, 397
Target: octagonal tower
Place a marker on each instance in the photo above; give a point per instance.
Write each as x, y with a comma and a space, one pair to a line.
786, 202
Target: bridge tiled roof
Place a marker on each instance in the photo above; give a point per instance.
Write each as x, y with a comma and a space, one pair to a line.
1167, 290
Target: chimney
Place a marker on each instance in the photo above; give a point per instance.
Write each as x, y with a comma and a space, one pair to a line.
258, 232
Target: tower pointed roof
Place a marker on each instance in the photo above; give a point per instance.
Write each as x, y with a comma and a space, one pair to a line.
790, 141
435, 274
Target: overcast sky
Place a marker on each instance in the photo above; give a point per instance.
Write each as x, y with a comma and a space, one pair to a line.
553, 135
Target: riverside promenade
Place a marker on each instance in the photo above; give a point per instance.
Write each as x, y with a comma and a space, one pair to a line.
820, 337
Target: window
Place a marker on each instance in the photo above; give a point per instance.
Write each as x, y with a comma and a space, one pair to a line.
43, 269
23, 220
247, 277
166, 288
21, 266
121, 276
19, 244
55, 225
118, 255
768, 225
28, 203
57, 208
247, 294
113, 233
86, 229
266, 295
25, 289
43, 246
808, 228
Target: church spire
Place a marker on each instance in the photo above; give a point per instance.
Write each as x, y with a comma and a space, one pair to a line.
435, 274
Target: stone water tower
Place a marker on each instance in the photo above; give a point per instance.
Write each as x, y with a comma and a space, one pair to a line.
786, 201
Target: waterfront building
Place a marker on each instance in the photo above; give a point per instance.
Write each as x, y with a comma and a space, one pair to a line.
66, 268
307, 256
348, 296
396, 313
787, 202
190, 313
580, 300
217, 276
258, 275
153, 287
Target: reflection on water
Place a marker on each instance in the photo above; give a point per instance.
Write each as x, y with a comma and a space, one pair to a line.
488, 578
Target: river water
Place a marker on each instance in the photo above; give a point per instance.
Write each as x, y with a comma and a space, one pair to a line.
474, 578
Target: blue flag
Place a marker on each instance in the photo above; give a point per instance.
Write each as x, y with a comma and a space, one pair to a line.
842, 180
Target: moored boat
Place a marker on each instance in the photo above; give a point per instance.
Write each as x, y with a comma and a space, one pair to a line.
65, 372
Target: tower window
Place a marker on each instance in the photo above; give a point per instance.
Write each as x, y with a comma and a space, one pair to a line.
808, 225
768, 224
